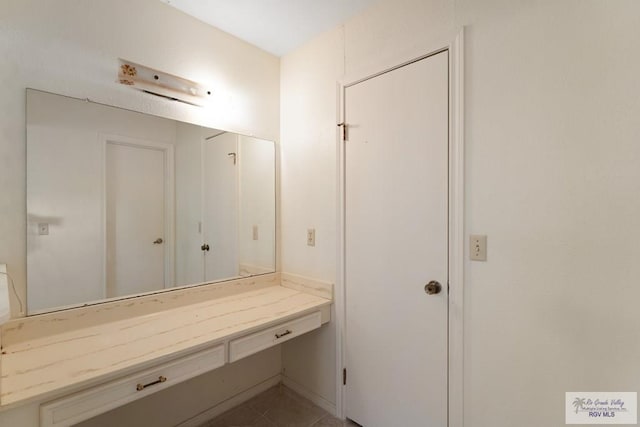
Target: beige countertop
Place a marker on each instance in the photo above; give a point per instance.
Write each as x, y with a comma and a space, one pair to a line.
78, 356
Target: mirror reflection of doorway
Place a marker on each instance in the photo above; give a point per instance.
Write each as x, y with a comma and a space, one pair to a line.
136, 217
220, 206
238, 184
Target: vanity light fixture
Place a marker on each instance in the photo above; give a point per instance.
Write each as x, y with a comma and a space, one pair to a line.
161, 84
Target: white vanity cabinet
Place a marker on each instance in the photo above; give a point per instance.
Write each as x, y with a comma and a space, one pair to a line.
83, 362
261, 340
86, 404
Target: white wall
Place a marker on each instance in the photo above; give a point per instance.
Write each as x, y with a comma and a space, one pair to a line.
552, 100
72, 47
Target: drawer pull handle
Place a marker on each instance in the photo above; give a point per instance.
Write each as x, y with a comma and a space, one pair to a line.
160, 379
287, 332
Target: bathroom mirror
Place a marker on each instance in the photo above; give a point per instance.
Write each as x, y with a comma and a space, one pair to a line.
122, 203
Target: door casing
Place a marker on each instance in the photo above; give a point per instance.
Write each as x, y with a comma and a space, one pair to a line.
455, 47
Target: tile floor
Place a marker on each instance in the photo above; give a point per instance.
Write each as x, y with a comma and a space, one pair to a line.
277, 407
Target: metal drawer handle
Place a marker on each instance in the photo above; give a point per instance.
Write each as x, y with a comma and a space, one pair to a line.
160, 379
287, 332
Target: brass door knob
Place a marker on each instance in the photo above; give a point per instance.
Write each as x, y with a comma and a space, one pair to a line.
433, 287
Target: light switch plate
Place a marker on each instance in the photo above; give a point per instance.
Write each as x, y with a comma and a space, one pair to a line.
478, 247
311, 237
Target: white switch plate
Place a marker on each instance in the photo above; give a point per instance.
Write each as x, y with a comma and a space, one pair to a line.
478, 247
255, 232
311, 237
43, 229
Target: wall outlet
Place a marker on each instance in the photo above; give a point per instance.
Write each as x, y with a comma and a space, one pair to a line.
255, 232
311, 237
478, 247
43, 229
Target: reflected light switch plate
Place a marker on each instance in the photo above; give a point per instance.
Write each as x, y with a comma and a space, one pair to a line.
43, 229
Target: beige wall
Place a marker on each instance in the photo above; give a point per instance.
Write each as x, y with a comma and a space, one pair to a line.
308, 194
552, 178
552, 100
72, 47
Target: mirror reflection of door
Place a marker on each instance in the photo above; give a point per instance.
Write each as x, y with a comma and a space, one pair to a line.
220, 206
135, 218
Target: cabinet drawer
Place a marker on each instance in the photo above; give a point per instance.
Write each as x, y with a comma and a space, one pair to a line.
102, 398
250, 344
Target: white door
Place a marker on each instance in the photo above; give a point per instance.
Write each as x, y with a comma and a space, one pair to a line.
220, 206
395, 243
135, 214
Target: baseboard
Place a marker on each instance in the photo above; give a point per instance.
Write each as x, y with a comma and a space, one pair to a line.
310, 395
231, 402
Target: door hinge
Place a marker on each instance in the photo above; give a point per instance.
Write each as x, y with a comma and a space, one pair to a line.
343, 125
344, 376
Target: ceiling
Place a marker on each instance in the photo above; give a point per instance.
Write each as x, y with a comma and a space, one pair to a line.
277, 26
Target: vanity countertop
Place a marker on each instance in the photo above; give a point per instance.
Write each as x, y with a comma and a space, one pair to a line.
70, 359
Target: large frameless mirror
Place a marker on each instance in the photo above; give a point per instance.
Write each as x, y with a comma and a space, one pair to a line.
121, 203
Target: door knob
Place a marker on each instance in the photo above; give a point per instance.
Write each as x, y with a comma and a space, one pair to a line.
433, 287
158, 241
204, 247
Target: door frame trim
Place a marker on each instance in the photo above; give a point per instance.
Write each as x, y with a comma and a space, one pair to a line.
455, 409
169, 201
